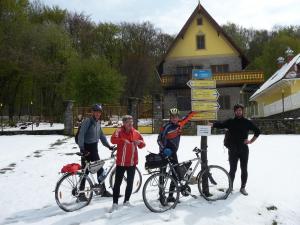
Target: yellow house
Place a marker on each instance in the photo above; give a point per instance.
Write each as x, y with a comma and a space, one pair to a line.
203, 44
281, 92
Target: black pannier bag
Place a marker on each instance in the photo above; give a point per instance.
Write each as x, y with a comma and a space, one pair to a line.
182, 168
155, 161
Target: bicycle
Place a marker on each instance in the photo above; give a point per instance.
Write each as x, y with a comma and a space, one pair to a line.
74, 190
215, 180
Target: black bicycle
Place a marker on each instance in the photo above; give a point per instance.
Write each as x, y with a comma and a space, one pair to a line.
74, 190
213, 182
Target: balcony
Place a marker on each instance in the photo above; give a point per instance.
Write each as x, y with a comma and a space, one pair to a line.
223, 79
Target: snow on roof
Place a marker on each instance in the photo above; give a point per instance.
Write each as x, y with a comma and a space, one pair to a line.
277, 76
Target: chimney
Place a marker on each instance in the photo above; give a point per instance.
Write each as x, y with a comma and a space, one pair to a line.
289, 54
280, 62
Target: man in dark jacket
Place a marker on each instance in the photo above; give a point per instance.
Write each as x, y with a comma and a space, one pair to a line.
238, 129
88, 138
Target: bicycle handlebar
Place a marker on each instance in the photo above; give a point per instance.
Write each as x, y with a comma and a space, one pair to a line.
81, 154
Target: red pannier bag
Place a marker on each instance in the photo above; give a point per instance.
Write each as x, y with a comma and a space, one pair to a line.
71, 168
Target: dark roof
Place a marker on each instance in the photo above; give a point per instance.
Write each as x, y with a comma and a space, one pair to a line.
201, 9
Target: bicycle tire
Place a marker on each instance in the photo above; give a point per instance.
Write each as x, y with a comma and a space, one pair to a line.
137, 183
155, 197
219, 183
69, 200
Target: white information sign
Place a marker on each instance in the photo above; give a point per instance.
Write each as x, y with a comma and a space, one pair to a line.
203, 130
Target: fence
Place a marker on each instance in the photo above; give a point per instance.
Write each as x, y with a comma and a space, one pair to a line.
111, 117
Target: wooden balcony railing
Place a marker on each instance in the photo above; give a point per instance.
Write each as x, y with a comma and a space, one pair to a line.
230, 78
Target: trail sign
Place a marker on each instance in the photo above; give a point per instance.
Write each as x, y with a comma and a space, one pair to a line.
204, 106
201, 83
203, 130
205, 94
205, 115
201, 74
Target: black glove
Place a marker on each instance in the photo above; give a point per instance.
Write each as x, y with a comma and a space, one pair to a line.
112, 147
84, 152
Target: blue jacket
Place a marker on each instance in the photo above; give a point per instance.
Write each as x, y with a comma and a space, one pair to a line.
169, 137
91, 132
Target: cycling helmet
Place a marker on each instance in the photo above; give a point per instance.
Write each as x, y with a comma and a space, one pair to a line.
97, 107
174, 112
236, 106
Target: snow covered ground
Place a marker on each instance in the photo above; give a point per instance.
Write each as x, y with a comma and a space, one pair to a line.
27, 126
29, 167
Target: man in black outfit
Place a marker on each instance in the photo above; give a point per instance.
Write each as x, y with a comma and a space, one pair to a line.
238, 129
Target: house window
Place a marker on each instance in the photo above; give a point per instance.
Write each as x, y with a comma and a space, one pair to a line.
219, 68
184, 69
224, 101
199, 21
200, 42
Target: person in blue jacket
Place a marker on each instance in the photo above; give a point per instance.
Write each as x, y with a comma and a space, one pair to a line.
88, 137
169, 139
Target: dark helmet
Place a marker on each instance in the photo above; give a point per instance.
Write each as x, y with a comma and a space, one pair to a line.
97, 107
174, 112
237, 106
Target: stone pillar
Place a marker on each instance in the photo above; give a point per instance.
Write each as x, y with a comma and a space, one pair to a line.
68, 120
133, 110
157, 113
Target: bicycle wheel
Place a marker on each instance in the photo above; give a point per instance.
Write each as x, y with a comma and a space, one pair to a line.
219, 183
68, 195
137, 182
156, 190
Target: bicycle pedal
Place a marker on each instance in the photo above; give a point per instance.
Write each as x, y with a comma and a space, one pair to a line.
194, 196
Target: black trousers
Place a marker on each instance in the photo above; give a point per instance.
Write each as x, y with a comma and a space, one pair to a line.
93, 156
239, 152
120, 170
174, 160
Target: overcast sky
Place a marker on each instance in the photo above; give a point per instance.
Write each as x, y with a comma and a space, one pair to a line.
170, 15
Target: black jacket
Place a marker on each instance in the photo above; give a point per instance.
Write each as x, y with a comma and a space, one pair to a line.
238, 129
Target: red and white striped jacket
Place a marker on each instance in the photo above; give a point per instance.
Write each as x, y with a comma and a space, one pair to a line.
127, 144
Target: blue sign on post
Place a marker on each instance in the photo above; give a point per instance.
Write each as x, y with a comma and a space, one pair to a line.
201, 74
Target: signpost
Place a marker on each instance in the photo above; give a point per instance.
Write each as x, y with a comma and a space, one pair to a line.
204, 96
201, 83
205, 115
205, 106
201, 74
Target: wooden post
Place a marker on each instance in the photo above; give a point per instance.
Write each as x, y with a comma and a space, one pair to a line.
133, 110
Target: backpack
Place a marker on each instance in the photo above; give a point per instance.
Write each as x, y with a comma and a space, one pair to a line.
227, 139
78, 130
155, 161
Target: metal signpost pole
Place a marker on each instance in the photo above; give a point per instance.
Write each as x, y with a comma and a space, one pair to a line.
204, 96
1, 117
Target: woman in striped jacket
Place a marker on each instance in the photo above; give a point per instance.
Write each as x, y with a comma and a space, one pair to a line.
127, 140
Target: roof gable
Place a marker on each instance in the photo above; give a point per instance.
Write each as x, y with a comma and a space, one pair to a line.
200, 9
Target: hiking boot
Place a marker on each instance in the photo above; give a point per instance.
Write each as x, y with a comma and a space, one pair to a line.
163, 200
113, 208
128, 204
172, 199
243, 191
207, 194
106, 194
82, 198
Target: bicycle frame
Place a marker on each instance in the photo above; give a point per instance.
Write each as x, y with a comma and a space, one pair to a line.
173, 166
86, 168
